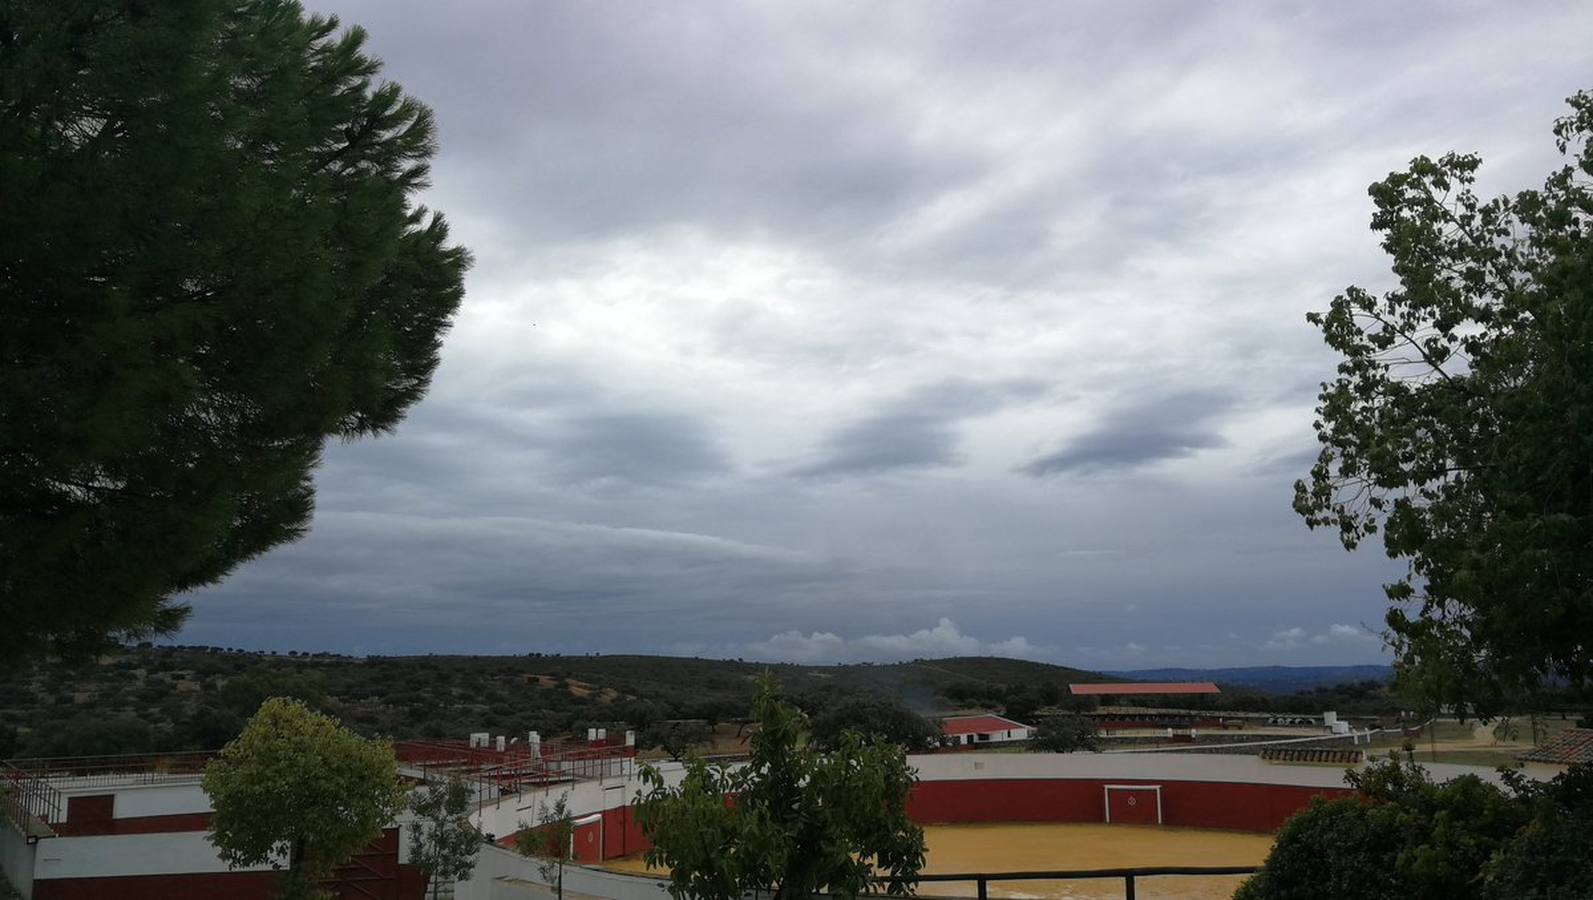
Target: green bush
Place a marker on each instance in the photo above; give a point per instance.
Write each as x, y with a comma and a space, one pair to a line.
1066, 734
1403, 837
1333, 849
874, 717
1552, 857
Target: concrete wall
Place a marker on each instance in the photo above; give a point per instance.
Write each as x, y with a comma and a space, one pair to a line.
16, 859
506, 875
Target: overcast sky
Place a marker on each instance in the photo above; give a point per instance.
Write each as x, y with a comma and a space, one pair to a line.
867, 330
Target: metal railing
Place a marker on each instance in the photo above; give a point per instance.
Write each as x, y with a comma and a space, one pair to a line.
982, 880
119, 769
29, 802
1354, 738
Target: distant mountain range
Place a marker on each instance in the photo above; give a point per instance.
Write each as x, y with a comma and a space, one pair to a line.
1272, 679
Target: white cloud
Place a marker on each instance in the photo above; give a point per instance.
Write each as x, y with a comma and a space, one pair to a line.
1286, 638
945, 639
1339, 635
1351, 634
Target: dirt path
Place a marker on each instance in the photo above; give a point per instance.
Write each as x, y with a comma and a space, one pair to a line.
1052, 847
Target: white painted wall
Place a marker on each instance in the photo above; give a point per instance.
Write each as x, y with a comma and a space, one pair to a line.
107, 855
160, 800
503, 816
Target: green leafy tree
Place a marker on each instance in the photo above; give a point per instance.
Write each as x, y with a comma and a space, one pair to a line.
791, 821
244, 693
211, 264
1550, 859
301, 792
1552, 856
1506, 730
443, 840
1021, 704
1460, 425
1404, 836
1066, 734
549, 842
1333, 848
207, 728
91, 735
873, 716
676, 738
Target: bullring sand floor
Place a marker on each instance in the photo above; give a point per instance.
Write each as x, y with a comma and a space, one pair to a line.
1040, 847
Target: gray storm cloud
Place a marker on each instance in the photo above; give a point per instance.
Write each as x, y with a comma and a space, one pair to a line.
1165, 427
850, 330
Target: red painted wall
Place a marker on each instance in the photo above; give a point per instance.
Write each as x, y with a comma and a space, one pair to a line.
589, 842
137, 824
88, 814
411, 885
997, 800
1247, 807
622, 834
1132, 806
232, 885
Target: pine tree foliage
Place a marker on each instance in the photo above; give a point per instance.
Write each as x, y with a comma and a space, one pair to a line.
210, 264
1460, 425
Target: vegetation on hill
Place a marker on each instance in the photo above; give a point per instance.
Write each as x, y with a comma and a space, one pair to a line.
185, 698
176, 698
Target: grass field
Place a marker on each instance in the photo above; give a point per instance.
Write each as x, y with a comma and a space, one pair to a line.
1471, 757
1471, 743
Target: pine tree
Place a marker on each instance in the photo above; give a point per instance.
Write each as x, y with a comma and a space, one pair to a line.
209, 265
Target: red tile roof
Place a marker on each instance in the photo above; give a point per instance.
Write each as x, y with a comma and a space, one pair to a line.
1573, 745
977, 725
1146, 687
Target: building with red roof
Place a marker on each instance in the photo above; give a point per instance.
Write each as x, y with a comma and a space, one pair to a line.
1569, 747
965, 731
